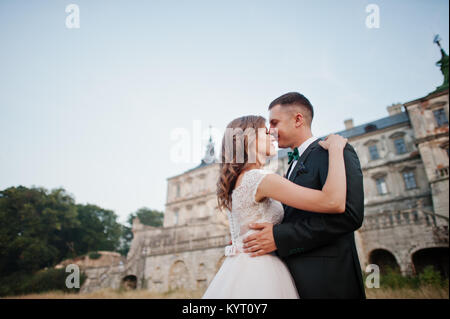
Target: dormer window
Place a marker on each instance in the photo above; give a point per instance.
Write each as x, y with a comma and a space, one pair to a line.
370, 128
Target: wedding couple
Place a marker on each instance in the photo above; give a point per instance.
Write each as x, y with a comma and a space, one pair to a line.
292, 236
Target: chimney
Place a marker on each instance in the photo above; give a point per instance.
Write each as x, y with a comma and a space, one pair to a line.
348, 124
395, 109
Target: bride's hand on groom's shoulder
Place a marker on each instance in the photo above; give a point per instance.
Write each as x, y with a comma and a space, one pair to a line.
333, 141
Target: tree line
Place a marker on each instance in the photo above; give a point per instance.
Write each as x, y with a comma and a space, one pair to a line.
40, 228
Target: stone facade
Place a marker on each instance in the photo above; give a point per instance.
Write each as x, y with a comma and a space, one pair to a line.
404, 159
431, 134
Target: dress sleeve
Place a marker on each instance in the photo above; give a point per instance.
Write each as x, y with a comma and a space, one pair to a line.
254, 177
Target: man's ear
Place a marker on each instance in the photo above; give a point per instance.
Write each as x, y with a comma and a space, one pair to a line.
299, 119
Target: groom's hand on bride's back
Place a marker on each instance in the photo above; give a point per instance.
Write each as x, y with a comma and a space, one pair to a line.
262, 242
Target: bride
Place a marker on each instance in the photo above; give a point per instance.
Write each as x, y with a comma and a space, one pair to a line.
251, 194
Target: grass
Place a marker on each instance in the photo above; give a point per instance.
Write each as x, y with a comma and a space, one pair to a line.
425, 292
427, 285
114, 294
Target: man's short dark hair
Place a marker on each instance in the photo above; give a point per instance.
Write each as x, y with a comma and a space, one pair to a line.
293, 98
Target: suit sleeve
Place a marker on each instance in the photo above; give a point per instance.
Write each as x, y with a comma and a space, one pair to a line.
321, 229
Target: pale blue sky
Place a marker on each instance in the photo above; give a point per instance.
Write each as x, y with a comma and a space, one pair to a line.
92, 109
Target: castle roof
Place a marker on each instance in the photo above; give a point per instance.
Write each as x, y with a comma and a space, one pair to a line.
365, 128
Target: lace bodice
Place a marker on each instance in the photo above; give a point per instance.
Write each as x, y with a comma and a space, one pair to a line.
245, 210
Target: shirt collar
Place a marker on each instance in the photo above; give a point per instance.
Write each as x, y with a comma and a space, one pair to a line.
305, 145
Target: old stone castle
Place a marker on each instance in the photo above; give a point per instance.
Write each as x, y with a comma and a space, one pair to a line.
405, 162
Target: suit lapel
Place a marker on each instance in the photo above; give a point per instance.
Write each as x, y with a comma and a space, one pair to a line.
288, 170
303, 158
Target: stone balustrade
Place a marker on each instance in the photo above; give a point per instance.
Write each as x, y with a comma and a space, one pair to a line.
189, 245
400, 218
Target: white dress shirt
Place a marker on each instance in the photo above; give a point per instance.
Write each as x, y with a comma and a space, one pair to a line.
302, 149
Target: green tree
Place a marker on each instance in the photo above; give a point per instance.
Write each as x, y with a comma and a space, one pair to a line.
33, 228
98, 230
149, 217
40, 228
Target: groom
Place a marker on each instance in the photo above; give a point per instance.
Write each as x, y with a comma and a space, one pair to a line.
319, 249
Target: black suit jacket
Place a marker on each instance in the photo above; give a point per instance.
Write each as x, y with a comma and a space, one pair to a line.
320, 249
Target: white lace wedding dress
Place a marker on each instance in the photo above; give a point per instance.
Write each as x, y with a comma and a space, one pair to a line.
242, 276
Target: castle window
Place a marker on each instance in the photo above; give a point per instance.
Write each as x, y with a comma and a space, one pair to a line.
440, 117
416, 217
381, 185
373, 150
176, 216
406, 216
391, 219
410, 180
428, 220
400, 145
399, 218
178, 190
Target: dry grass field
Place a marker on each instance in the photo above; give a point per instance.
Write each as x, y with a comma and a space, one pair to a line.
401, 293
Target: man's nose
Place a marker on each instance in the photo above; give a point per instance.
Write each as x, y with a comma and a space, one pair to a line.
273, 131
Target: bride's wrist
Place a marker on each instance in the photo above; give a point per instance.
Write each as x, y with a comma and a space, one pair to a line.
335, 149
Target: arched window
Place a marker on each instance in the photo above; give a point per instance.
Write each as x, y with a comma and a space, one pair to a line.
129, 282
385, 260
179, 277
436, 257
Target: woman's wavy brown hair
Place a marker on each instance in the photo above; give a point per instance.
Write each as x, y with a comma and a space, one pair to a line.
230, 169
